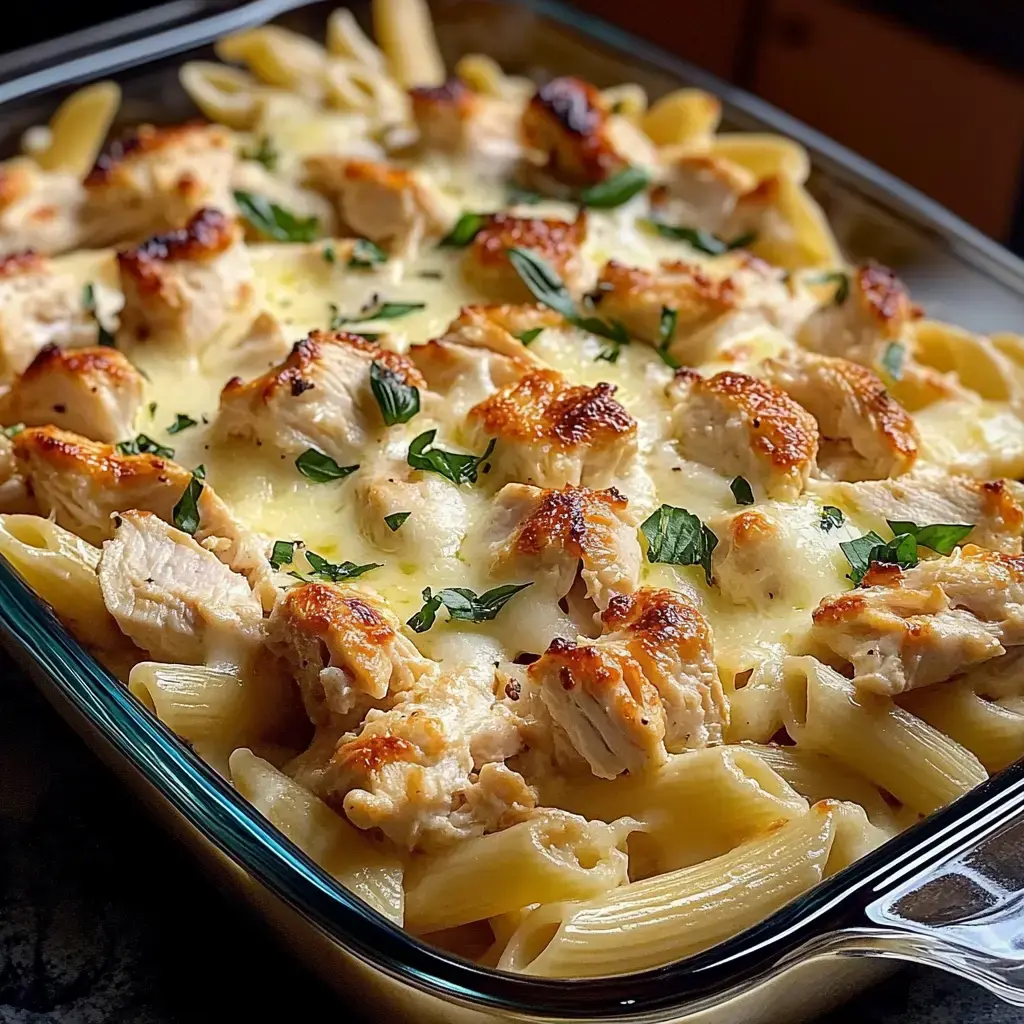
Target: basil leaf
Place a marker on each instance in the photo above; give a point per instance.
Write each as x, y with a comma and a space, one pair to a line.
152, 409
330, 572
831, 518
13, 430
329, 253
424, 618
186, 512
382, 311
666, 335
366, 254
467, 227
742, 491
939, 537
858, 553
892, 360
263, 153
617, 189
398, 401
678, 537
144, 445
396, 520
530, 336
743, 241
321, 468
699, 239
544, 284
464, 605
282, 553
181, 422
454, 466
104, 338
273, 221
837, 277
89, 297
863, 552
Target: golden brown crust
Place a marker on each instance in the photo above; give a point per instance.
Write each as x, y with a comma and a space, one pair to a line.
1000, 503
834, 611
207, 234
658, 620
100, 360
543, 406
367, 754
556, 241
599, 672
514, 318
893, 420
453, 96
322, 609
561, 519
884, 298
19, 263
15, 184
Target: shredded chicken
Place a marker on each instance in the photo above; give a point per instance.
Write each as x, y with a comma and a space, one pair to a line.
701, 191
39, 210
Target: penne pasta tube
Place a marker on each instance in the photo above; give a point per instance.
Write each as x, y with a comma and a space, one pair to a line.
224, 94
683, 117
79, 128
405, 32
277, 57
765, 156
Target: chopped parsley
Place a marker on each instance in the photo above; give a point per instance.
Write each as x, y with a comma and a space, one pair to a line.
398, 401
678, 537
181, 422
186, 512
396, 520
329, 572
455, 466
831, 518
321, 468
142, 444
742, 491
616, 190
366, 255
467, 227
463, 605
273, 221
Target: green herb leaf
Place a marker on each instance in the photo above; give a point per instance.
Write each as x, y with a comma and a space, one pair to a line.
831, 518
104, 338
282, 553
666, 335
516, 196
467, 227
678, 537
152, 409
398, 401
329, 253
186, 512
699, 239
89, 297
742, 491
382, 311
144, 445
396, 520
273, 221
329, 572
892, 360
530, 336
181, 422
464, 605
617, 189
366, 254
13, 430
939, 537
544, 284
264, 153
863, 552
321, 468
454, 466
837, 277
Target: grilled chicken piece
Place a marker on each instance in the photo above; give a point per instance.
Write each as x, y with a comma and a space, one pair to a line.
174, 598
701, 191
575, 139
155, 180
551, 536
345, 648
82, 483
741, 426
38, 307
15, 496
865, 433
95, 392
551, 433
454, 120
907, 629
648, 687
181, 289
319, 397
929, 497
486, 265
428, 772
39, 211
389, 205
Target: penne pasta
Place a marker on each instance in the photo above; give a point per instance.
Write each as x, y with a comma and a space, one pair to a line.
227, 95
685, 117
405, 33
79, 128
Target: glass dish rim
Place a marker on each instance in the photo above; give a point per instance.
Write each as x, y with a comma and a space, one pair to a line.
209, 804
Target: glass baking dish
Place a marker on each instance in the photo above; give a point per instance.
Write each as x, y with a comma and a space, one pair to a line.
948, 892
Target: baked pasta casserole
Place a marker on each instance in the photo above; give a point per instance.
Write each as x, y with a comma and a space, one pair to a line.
508, 487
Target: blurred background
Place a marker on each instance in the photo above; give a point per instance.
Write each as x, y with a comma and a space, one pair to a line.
932, 90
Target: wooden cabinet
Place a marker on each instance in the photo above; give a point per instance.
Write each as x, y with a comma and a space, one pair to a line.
944, 122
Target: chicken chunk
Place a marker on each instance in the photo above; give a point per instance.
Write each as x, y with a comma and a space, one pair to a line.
82, 483
551, 536
701, 191
181, 289
926, 498
39, 210
559, 243
741, 426
15, 496
155, 180
345, 648
175, 599
551, 433
38, 307
388, 205
95, 392
865, 433
454, 120
319, 397
870, 311
648, 687
911, 628
576, 140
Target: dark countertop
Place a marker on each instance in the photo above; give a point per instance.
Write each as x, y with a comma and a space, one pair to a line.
103, 918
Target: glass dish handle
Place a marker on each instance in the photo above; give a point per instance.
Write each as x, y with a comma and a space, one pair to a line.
955, 901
